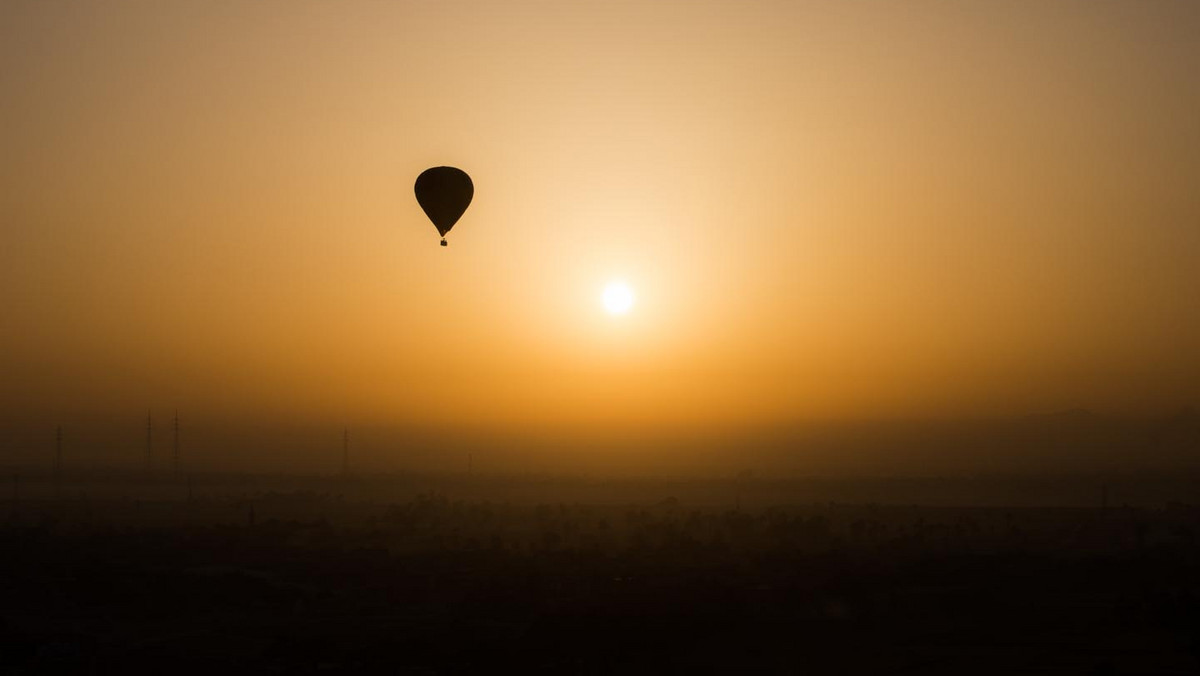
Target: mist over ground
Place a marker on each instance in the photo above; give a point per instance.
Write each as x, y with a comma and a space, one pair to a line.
1059, 443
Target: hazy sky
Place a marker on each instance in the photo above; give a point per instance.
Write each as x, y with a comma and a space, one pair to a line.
826, 209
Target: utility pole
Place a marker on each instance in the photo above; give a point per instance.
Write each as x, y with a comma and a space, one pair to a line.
345, 450
175, 447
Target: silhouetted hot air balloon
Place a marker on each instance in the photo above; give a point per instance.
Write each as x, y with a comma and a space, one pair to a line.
444, 193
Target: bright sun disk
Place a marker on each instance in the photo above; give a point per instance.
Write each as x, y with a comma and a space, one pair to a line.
618, 298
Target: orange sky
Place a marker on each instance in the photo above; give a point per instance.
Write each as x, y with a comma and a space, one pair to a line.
827, 209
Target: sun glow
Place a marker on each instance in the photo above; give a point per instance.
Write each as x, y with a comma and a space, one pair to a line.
618, 298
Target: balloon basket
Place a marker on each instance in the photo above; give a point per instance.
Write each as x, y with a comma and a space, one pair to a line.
443, 241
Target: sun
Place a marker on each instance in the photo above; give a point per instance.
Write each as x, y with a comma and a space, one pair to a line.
618, 298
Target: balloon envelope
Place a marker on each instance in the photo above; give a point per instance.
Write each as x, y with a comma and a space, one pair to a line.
444, 193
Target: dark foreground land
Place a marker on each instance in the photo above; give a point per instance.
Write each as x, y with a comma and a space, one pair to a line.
311, 581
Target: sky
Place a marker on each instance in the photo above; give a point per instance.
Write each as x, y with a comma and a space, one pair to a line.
825, 211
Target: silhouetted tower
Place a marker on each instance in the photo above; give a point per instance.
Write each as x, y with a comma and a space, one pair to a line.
149, 444
175, 444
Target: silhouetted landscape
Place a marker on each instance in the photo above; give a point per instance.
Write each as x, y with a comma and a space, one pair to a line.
280, 575
123, 571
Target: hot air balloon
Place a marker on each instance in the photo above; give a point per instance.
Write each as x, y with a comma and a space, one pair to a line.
444, 193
